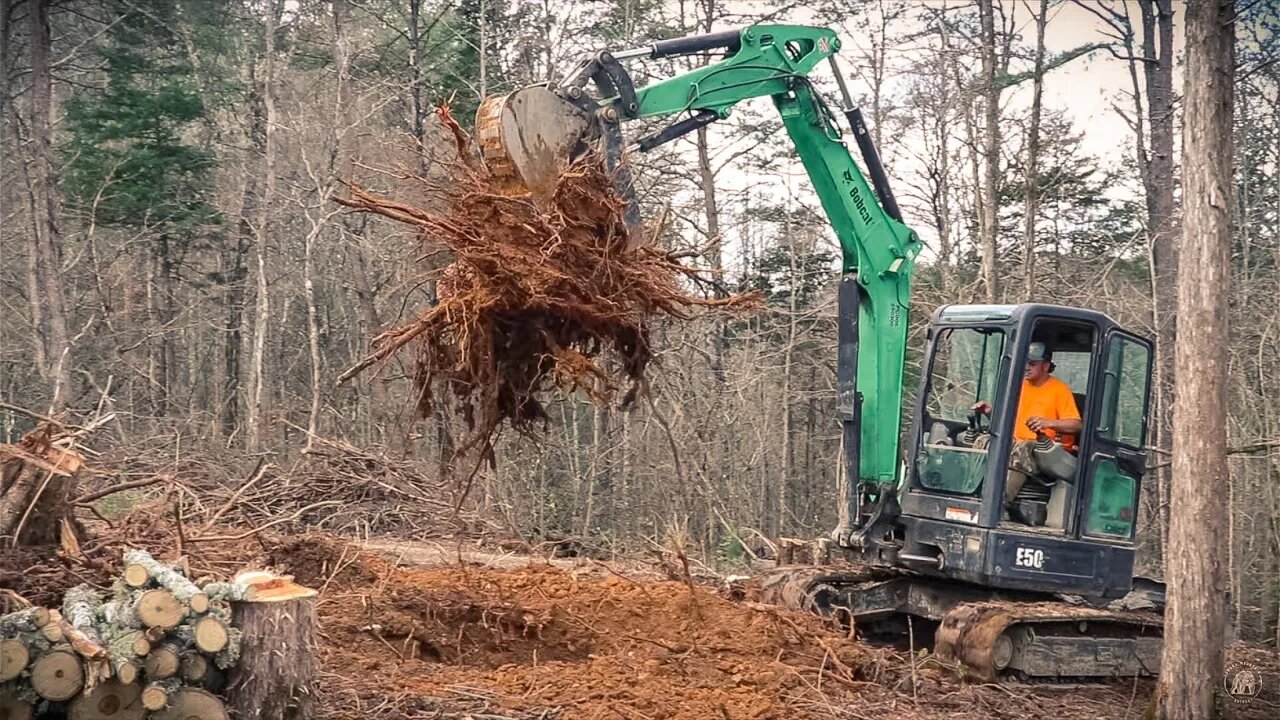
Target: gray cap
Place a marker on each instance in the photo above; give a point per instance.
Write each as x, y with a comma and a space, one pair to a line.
1037, 351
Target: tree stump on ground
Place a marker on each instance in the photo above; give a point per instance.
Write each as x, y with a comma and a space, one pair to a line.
274, 677
37, 480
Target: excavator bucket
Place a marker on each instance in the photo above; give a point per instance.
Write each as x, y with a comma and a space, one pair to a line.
528, 137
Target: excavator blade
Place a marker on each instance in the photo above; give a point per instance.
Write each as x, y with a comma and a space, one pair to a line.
528, 137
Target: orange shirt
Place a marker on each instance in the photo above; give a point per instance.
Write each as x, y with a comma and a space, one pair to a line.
1052, 400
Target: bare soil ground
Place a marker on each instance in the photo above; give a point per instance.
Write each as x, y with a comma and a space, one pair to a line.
437, 630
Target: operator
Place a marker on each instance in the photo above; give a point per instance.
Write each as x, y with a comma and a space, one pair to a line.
1045, 405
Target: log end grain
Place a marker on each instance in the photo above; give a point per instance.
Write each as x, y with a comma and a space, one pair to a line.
192, 704
57, 675
210, 634
158, 608
127, 673
161, 663
111, 700
13, 658
136, 576
194, 667
154, 697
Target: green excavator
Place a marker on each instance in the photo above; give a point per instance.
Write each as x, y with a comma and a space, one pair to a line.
1039, 585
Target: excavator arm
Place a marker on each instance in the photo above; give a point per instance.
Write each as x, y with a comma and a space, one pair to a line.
528, 134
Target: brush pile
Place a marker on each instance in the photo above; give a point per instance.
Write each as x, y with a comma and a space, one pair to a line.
540, 295
157, 642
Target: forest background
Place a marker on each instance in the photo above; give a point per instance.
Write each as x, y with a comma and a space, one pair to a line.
169, 252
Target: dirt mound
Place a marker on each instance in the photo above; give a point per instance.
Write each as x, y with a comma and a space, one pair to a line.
542, 637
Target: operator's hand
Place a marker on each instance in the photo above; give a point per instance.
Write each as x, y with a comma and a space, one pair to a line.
1039, 424
983, 407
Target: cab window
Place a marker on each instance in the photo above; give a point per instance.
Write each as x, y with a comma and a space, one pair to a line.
965, 370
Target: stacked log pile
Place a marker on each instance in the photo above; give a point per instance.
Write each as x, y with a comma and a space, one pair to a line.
155, 643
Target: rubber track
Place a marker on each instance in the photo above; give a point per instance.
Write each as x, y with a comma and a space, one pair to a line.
969, 632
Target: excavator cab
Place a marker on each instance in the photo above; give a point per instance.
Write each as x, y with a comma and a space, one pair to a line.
1070, 528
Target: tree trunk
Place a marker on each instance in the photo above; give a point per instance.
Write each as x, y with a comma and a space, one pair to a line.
1157, 170
1033, 160
47, 248
6, 36
262, 307
235, 271
275, 676
1195, 620
991, 152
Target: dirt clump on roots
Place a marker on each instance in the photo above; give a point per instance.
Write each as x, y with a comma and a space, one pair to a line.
540, 294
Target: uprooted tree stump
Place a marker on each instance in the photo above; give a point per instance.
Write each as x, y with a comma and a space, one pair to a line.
274, 678
542, 293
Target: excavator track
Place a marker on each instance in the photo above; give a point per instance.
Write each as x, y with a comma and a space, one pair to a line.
990, 637
1049, 640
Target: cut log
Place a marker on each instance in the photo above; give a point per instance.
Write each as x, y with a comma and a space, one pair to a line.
111, 700
57, 675
275, 675
184, 591
52, 630
28, 620
80, 605
154, 635
13, 658
155, 696
193, 704
162, 662
209, 634
228, 591
158, 608
136, 576
88, 646
194, 666
126, 671
13, 708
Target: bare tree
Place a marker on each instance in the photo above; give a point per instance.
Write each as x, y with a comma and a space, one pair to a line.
990, 151
262, 306
48, 308
1157, 170
1196, 562
1033, 157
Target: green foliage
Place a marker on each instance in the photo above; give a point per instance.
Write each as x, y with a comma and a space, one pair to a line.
128, 161
782, 273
